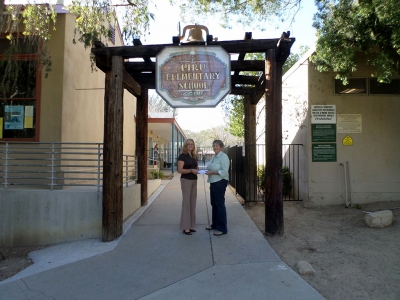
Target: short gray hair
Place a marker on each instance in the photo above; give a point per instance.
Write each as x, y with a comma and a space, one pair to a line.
219, 142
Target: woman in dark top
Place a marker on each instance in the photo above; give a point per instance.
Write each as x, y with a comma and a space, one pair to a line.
188, 167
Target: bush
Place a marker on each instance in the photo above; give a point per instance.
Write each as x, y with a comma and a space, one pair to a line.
157, 174
286, 178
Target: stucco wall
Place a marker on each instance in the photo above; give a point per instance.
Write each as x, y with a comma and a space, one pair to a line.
39, 217
73, 94
373, 159
294, 122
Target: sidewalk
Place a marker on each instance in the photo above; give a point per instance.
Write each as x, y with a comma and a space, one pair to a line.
155, 260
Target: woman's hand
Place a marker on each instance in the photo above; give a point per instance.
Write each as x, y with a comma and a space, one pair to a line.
194, 171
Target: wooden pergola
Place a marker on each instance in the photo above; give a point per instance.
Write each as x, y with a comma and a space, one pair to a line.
138, 77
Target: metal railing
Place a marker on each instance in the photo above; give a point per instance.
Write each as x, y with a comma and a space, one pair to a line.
57, 165
290, 159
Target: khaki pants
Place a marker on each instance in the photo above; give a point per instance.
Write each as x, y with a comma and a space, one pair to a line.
189, 198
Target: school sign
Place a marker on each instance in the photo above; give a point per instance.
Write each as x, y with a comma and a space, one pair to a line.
193, 76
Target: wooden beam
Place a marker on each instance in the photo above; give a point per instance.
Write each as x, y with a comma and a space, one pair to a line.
113, 152
131, 85
239, 46
250, 148
273, 142
242, 55
259, 90
142, 151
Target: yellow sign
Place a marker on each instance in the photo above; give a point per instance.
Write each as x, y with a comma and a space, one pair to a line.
347, 141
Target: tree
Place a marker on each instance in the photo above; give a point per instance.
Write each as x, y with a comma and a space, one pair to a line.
204, 138
347, 27
245, 12
158, 105
93, 21
234, 106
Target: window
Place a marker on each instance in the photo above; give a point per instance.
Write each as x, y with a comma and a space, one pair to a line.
355, 86
19, 93
377, 88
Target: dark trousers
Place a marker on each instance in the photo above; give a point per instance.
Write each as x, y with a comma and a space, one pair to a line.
217, 195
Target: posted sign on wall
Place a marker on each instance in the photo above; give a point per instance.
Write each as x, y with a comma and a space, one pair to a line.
323, 114
189, 76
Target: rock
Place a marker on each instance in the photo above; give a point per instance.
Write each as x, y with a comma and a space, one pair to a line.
379, 219
304, 268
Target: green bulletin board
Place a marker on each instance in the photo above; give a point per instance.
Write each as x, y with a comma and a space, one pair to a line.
324, 152
323, 133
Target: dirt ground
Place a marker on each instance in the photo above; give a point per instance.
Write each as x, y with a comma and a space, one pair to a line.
351, 260
14, 260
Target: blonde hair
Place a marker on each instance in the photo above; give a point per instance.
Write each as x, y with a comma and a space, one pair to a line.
185, 150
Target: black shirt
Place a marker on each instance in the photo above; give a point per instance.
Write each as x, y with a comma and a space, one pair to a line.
188, 163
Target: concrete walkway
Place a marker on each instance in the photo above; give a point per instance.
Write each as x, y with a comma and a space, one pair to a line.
155, 260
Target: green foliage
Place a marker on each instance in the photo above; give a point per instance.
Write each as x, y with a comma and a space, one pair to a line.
235, 118
293, 58
357, 206
94, 17
346, 27
261, 178
253, 13
157, 174
286, 179
39, 21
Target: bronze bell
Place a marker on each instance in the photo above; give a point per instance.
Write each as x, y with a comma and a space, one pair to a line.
195, 35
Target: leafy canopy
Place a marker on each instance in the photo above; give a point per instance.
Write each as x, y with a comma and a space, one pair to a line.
252, 13
346, 27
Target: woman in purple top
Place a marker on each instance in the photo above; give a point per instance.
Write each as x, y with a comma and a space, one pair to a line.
188, 167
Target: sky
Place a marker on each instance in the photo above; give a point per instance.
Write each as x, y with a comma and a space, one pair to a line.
165, 27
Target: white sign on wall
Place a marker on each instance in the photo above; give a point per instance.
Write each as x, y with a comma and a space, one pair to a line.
323, 114
349, 123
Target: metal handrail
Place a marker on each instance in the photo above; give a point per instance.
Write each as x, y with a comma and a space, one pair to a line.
57, 165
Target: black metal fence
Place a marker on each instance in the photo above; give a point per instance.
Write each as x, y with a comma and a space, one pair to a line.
291, 160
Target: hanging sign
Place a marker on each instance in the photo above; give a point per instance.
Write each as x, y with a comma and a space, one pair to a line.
193, 76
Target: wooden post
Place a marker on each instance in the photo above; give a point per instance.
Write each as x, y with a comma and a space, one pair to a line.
273, 141
142, 150
250, 148
113, 151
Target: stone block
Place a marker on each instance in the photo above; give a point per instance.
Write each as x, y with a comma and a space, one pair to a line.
379, 219
304, 268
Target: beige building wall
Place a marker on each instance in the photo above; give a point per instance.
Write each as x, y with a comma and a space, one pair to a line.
373, 158
73, 95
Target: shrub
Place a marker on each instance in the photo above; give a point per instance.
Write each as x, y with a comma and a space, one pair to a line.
286, 178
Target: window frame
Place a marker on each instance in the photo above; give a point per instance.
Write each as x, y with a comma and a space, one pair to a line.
37, 99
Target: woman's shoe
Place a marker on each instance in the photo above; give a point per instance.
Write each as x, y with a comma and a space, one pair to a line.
209, 228
192, 230
187, 232
218, 233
